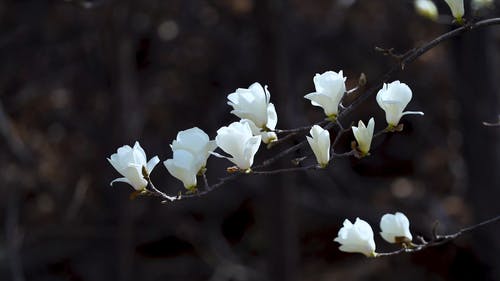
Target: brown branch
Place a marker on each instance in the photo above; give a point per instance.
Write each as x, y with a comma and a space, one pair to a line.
286, 170
300, 129
281, 140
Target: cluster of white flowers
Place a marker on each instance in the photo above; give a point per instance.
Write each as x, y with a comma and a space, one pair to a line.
241, 140
330, 89
192, 147
358, 237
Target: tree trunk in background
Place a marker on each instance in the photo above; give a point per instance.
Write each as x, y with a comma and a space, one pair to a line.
130, 120
281, 223
477, 61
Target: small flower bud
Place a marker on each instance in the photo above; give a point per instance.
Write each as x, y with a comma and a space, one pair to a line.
320, 144
364, 135
395, 228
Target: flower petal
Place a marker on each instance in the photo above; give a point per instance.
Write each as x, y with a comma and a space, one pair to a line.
152, 163
125, 180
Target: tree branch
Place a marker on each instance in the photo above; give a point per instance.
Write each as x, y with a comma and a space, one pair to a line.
437, 239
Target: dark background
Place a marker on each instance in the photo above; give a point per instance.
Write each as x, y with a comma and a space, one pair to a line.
79, 79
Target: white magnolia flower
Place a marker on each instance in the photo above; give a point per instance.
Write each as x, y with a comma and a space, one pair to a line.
253, 104
330, 88
393, 98
481, 4
364, 135
320, 144
457, 8
197, 142
129, 162
426, 8
238, 141
395, 228
184, 166
356, 238
266, 136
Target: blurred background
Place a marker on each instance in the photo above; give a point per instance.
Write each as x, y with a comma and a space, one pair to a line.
78, 79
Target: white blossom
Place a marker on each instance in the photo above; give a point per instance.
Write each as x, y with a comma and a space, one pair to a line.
356, 238
364, 135
254, 104
197, 142
393, 98
395, 228
129, 162
457, 8
426, 8
238, 141
320, 144
330, 88
184, 166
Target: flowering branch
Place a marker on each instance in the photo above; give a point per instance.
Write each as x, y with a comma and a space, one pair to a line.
357, 237
241, 140
331, 123
436, 239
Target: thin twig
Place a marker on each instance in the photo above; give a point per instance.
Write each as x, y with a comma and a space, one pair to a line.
281, 140
205, 181
379, 133
339, 134
286, 170
491, 124
345, 154
300, 129
152, 188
